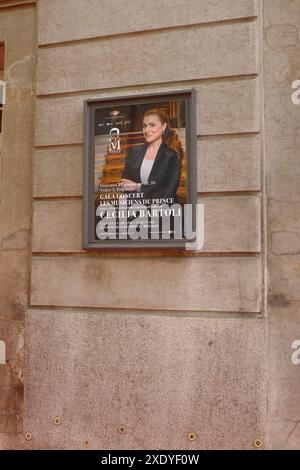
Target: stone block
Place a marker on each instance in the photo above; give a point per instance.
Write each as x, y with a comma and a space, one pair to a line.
160, 377
182, 284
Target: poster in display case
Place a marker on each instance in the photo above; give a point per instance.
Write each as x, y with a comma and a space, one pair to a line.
139, 170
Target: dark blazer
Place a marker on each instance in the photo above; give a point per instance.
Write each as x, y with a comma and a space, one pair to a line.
165, 173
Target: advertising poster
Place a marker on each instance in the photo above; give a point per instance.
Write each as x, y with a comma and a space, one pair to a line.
139, 168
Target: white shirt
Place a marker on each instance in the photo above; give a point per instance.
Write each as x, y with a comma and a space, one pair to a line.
145, 171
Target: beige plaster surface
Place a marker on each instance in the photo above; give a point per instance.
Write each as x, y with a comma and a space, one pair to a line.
227, 163
221, 284
127, 61
16, 154
160, 377
281, 68
71, 17
11, 378
15, 209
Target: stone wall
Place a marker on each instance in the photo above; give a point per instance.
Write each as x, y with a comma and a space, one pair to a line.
164, 344
15, 206
282, 67
160, 344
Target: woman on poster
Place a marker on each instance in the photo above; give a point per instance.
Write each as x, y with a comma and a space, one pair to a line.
154, 168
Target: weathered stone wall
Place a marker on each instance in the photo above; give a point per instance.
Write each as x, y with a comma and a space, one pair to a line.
281, 68
163, 345
15, 207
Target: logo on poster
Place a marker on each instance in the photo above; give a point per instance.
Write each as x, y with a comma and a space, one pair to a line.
114, 140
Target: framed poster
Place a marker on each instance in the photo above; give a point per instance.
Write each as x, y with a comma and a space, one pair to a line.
139, 170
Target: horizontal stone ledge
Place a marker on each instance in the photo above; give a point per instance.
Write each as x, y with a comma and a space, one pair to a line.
118, 312
58, 72
230, 224
16, 3
136, 34
176, 283
157, 87
124, 16
223, 107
